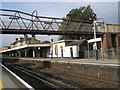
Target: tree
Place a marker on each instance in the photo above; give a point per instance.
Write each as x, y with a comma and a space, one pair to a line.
82, 13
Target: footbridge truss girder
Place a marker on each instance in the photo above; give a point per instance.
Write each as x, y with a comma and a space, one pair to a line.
18, 22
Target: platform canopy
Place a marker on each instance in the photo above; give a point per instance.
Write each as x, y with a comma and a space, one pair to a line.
94, 40
26, 46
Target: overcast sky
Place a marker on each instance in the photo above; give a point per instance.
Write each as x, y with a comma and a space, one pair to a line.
106, 10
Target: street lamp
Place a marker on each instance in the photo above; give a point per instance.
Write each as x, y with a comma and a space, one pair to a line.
95, 23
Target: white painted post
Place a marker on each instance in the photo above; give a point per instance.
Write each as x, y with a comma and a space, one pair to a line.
26, 53
33, 52
101, 49
19, 53
78, 49
88, 52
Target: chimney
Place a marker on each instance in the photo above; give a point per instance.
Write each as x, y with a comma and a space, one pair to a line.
51, 40
25, 37
16, 39
33, 37
21, 38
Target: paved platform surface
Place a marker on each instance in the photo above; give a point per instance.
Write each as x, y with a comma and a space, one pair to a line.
112, 62
8, 81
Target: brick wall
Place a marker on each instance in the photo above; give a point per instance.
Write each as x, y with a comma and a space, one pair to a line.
107, 43
118, 41
108, 39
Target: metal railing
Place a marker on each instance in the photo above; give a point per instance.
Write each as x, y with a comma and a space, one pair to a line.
112, 28
103, 54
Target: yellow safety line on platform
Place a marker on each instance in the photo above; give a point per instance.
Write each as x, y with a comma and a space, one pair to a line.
1, 85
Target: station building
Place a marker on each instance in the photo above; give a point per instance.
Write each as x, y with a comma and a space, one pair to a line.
31, 47
27, 47
69, 48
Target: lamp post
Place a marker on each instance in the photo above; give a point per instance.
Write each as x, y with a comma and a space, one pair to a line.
96, 51
97, 22
51, 47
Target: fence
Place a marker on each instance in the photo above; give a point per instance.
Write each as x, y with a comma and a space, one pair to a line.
103, 54
113, 28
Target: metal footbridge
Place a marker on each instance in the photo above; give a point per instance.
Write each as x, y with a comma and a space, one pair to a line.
18, 22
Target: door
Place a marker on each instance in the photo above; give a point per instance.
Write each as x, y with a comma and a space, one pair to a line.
61, 52
71, 52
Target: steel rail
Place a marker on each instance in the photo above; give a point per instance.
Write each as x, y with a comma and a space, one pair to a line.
36, 77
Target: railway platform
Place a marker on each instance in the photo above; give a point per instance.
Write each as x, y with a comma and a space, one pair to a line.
8, 80
108, 62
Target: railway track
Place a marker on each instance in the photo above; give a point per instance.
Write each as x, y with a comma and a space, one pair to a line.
77, 81
36, 81
53, 79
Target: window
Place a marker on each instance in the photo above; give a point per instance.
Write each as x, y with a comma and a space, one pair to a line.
56, 50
